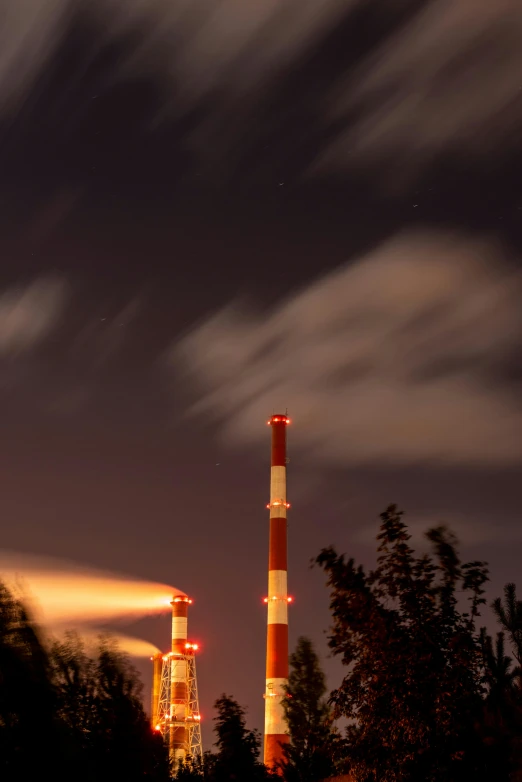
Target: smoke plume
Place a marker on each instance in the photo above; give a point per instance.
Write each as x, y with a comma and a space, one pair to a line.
406, 355
65, 594
135, 647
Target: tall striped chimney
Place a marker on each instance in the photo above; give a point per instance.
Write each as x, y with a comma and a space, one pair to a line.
277, 631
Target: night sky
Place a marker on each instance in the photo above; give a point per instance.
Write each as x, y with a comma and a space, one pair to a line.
212, 211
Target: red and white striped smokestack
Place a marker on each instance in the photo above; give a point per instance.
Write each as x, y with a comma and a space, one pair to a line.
179, 679
277, 632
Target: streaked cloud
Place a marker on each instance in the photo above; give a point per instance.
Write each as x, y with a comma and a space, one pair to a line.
449, 77
399, 357
29, 313
29, 32
446, 75
211, 45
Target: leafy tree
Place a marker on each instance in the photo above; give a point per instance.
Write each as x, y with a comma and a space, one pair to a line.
195, 768
30, 744
99, 702
310, 757
499, 674
237, 756
414, 685
189, 770
503, 708
509, 615
500, 722
64, 715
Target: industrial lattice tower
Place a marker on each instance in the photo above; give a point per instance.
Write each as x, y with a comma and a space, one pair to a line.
175, 703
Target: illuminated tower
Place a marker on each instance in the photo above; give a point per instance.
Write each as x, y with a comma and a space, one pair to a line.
177, 705
157, 669
277, 630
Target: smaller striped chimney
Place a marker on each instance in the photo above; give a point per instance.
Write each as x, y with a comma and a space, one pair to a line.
179, 679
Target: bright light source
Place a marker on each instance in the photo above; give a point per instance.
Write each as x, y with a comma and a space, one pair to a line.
195, 646
289, 599
157, 727
265, 600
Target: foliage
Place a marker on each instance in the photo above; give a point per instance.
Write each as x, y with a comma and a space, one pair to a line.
503, 705
64, 715
99, 702
237, 756
509, 615
310, 757
191, 769
29, 735
414, 686
499, 674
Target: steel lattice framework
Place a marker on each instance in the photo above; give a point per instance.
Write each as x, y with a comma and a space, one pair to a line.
192, 721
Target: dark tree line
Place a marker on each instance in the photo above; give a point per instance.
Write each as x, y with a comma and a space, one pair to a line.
428, 695
66, 716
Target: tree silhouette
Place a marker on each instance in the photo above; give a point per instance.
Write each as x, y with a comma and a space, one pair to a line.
30, 739
99, 702
503, 710
414, 685
237, 756
310, 757
509, 614
500, 675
